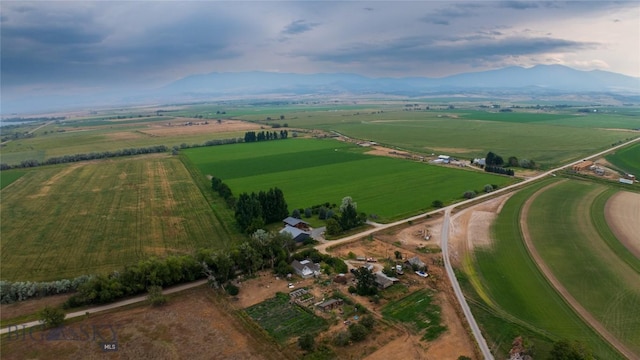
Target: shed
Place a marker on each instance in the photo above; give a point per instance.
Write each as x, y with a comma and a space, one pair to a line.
297, 235
330, 304
383, 281
415, 261
296, 223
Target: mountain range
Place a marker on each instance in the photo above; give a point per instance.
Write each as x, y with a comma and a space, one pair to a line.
542, 81
541, 78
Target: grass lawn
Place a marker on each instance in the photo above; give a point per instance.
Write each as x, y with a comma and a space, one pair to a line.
97, 217
311, 172
282, 319
419, 311
606, 285
516, 296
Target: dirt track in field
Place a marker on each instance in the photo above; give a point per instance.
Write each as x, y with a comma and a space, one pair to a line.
581, 311
622, 212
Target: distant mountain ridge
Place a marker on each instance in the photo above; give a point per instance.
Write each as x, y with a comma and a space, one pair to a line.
541, 77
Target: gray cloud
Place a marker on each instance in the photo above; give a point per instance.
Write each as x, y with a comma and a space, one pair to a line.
470, 49
298, 27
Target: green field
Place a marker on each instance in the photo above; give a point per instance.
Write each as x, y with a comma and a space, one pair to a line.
283, 319
547, 138
627, 159
515, 298
8, 177
419, 311
562, 232
311, 172
97, 217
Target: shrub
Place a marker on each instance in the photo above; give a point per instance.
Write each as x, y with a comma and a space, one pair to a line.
307, 342
341, 338
357, 332
232, 290
51, 317
469, 194
155, 296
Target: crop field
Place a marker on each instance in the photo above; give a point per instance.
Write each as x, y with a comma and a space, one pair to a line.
311, 172
96, 136
97, 217
418, 310
8, 177
627, 159
518, 293
548, 139
562, 232
282, 319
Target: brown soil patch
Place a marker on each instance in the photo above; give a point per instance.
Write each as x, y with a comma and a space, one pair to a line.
197, 324
31, 306
471, 227
622, 212
265, 286
125, 135
176, 127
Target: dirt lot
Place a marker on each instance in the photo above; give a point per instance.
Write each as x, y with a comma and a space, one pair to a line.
196, 324
176, 126
622, 212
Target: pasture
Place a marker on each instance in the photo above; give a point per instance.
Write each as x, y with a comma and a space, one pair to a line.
547, 138
572, 247
311, 172
283, 320
418, 311
97, 217
627, 159
517, 297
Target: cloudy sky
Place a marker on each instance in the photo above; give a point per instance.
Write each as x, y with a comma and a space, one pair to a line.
54, 47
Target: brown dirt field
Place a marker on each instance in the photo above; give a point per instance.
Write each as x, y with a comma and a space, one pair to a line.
472, 227
197, 324
265, 286
176, 128
622, 212
31, 306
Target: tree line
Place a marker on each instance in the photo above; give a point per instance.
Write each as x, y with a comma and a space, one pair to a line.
262, 250
252, 136
253, 211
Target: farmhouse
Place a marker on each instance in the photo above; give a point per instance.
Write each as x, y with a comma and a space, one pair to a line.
306, 268
297, 235
330, 304
296, 223
383, 281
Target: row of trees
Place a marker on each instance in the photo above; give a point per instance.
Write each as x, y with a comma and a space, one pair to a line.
84, 157
496, 160
499, 170
11, 292
252, 136
224, 191
136, 279
253, 210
